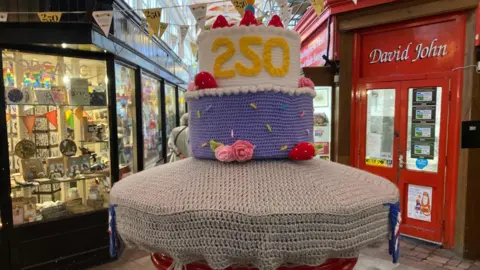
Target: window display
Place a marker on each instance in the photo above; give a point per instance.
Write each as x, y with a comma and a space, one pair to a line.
57, 124
182, 106
322, 115
152, 124
125, 96
171, 108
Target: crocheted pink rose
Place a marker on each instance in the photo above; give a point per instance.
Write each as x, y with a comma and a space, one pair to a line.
224, 153
306, 82
242, 151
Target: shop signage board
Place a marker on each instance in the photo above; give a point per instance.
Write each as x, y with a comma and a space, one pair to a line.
313, 49
322, 115
409, 50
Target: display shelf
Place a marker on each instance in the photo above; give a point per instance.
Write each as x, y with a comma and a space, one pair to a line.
87, 107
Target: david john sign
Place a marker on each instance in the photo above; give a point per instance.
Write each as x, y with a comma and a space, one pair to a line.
400, 54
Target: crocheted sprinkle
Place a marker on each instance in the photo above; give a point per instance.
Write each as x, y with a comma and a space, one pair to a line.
284, 148
269, 128
204, 144
208, 107
308, 131
199, 115
284, 106
253, 105
302, 114
232, 134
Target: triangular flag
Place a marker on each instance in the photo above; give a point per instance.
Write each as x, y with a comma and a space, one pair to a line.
199, 11
163, 27
354, 1
8, 116
104, 20
3, 16
49, 16
69, 118
29, 121
52, 118
318, 6
281, 2
183, 32
239, 5
193, 46
174, 40
79, 113
153, 16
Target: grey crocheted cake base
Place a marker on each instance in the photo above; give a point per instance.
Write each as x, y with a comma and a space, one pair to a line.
261, 213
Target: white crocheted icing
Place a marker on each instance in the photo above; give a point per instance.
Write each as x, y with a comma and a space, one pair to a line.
236, 90
206, 57
261, 213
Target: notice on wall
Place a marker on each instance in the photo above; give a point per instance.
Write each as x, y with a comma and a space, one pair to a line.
79, 94
419, 203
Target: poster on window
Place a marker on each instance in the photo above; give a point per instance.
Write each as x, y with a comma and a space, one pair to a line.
419, 203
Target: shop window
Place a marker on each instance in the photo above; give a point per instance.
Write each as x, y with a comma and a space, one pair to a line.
182, 107
171, 108
58, 135
152, 122
125, 97
380, 126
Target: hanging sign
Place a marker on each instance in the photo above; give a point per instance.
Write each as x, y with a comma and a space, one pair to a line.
25, 149
239, 5
163, 28
49, 16
183, 32
419, 203
104, 20
153, 16
3, 16
199, 11
317, 6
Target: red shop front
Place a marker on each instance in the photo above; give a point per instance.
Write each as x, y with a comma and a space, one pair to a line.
407, 81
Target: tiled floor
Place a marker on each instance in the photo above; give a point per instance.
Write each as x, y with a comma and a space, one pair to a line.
413, 255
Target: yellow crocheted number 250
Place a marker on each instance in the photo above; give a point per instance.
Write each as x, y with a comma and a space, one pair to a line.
257, 63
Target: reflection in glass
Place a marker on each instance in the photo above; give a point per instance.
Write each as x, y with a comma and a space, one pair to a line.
152, 125
424, 112
58, 135
380, 127
171, 109
125, 97
181, 103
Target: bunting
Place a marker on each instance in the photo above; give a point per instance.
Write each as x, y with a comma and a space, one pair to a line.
49, 16
52, 118
199, 12
354, 1
163, 28
8, 116
29, 122
318, 6
183, 32
3, 16
104, 20
79, 113
69, 118
153, 16
239, 5
193, 46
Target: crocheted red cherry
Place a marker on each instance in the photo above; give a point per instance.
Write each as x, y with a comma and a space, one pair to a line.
248, 19
205, 80
276, 21
220, 22
302, 151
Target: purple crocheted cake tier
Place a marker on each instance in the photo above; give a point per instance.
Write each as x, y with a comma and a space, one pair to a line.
273, 122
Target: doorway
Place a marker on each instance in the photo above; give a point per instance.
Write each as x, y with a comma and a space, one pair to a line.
402, 136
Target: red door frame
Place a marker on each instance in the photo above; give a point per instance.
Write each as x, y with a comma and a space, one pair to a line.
454, 116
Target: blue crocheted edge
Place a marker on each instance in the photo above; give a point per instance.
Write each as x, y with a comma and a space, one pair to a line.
394, 219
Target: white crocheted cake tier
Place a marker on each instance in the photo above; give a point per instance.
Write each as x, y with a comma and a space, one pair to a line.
261, 213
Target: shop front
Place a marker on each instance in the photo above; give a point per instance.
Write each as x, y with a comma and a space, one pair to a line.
410, 78
80, 112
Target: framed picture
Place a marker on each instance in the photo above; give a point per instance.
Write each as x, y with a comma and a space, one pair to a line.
32, 168
78, 164
321, 100
55, 167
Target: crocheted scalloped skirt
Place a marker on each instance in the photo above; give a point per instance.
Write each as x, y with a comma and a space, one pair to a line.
262, 213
